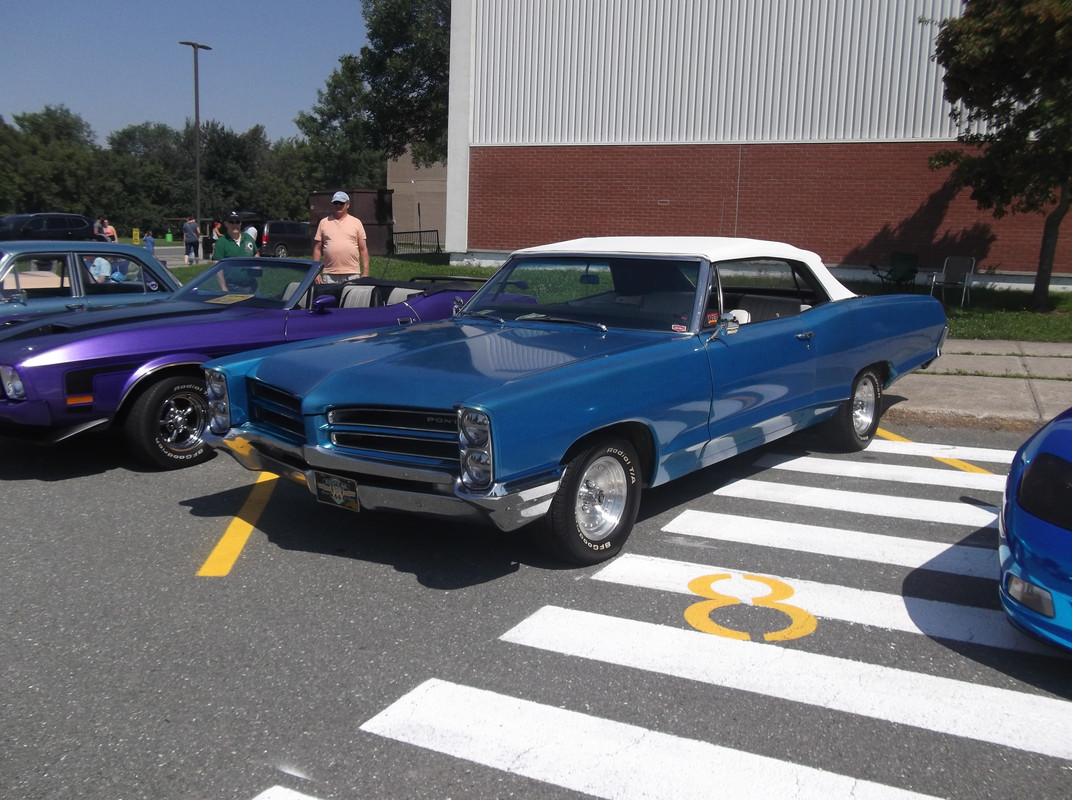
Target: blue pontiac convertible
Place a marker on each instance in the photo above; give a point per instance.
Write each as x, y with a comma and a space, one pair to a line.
580, 373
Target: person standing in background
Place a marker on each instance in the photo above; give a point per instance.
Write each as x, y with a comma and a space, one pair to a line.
150, 242
235, 243
98, 227
340, 243
109, 232
191, 232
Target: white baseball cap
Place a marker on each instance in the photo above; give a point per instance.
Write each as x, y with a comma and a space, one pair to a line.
340, 197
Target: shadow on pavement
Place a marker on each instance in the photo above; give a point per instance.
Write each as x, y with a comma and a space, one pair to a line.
440, 554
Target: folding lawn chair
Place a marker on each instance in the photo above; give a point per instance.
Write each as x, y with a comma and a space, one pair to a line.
902, 272
956, 272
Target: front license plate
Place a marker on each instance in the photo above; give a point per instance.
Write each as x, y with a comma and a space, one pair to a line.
336, 491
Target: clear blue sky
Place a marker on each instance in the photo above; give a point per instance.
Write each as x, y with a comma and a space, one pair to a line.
117, 63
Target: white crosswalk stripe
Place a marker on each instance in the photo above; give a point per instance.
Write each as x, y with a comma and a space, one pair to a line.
859, 545
623, 760
985, 713
283, 793
986, 455
597, 756
900, 473
945, 511
889, 611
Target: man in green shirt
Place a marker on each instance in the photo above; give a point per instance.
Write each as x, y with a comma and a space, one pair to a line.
235, 243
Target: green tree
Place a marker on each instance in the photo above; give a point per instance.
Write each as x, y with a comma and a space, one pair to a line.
56, 162
337, 129
1009, 79
10, 155
282, 186
406, 68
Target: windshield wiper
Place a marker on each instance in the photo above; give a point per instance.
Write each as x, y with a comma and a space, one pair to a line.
599, 326
484, 314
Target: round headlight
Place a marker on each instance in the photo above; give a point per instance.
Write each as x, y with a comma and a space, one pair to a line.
218, 405
474, 427
219, 417
477, 471
215, 385
12, 384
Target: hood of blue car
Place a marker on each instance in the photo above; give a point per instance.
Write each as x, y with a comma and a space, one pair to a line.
438, 364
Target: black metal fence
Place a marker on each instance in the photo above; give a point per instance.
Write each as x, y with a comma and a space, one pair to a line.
416, 242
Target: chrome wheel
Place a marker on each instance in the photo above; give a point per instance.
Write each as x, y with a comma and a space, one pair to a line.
593, 511
183, 418
864, 406
166, 424
856, 421
601, 498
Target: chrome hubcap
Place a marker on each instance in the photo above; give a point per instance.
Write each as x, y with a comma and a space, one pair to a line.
601, 498
182, 420
864, 403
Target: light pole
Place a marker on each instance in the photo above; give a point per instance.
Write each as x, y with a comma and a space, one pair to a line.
195, 46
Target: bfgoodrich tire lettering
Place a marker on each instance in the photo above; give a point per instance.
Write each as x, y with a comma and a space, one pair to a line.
593, 512
166, 424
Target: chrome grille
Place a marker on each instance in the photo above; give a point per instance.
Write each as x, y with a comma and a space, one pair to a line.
427, 434
276, 409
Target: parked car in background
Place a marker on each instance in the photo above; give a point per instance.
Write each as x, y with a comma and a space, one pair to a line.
580, 373
286, 237
137, 369
47, 225
1035, 529
54, 276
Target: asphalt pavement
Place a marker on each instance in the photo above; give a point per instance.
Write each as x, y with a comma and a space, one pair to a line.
989, 383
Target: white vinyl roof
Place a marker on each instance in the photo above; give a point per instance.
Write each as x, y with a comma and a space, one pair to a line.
712, 248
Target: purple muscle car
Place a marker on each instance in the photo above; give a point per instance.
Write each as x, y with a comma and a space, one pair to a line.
137, 369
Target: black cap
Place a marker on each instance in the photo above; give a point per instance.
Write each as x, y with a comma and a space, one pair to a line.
233, 217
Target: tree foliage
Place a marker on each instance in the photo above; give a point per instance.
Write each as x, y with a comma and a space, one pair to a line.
406, 68
1009, 79
145, 177
389, 98
338, 135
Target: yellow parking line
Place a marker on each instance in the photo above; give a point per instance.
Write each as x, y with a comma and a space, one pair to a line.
227, 550
953, 462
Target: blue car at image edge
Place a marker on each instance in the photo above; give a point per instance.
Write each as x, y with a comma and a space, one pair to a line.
1035, 526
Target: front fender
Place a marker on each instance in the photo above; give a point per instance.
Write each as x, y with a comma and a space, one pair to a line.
172, 362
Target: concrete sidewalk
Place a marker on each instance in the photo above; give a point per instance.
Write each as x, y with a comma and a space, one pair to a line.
989, 383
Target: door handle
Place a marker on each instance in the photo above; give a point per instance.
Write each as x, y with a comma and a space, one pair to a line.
806, 336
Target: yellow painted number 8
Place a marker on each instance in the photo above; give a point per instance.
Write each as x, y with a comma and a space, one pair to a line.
698, 615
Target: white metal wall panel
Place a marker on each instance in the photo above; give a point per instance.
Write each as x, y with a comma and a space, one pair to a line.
695, 71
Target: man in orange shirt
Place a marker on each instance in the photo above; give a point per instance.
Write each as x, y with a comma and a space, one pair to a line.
340, 243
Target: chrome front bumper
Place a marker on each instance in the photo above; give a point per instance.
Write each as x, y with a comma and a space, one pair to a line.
506, 510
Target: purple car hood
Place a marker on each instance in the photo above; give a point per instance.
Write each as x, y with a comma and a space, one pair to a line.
437, 364
80, 334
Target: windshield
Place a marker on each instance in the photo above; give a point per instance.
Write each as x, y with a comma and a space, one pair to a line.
641, 293
257, 282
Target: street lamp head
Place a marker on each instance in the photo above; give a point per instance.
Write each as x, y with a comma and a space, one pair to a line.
196, 45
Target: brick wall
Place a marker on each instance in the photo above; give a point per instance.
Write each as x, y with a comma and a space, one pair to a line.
851, 203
